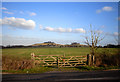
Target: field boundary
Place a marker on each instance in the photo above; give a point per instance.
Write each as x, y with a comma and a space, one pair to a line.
62, 60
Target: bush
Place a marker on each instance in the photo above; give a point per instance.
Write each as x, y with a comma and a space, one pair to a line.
9, 63
107, 59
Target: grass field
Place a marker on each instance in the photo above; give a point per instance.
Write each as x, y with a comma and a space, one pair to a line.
25, 52
13, 59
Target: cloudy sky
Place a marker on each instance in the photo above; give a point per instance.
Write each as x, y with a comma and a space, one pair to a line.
25, 23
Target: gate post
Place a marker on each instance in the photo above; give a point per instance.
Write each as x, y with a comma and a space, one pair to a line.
58, 62
64, 55
32, 57
93, 59
89, 59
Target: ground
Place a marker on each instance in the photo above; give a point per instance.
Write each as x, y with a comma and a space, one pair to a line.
14, 56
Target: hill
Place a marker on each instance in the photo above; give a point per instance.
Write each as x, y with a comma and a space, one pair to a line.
52, 44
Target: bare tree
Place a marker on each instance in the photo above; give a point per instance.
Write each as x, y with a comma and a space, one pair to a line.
93, 40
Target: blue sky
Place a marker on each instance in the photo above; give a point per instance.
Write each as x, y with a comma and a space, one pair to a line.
60, 0
26, 23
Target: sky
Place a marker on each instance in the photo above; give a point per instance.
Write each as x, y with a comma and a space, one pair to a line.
60, 0
26, 23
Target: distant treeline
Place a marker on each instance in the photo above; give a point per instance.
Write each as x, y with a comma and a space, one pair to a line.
112, 46
22, 46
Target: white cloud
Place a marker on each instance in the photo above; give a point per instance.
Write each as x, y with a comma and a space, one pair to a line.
3, 8
69, 30
105, 8
99, 31
0, 21
113, 34
8, 12
40, 27
49, 29
28, 13
116, 33
32, 14
19, 40
81, 30
18, 23
60, 29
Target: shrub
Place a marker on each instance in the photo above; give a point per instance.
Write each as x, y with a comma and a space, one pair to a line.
107, 59
9, 63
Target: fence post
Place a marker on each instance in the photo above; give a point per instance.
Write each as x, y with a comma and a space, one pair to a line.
64, 55
93, 59
32, 57
58, 61
89, 59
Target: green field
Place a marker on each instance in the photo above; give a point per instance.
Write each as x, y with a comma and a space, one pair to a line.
13, 58
25, 52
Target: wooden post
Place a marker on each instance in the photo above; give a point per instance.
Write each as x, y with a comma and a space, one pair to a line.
32, 57
93, 59
64, 60
64, 55
58, 62
89, 59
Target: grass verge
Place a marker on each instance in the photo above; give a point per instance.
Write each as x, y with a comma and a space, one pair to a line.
62, 69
